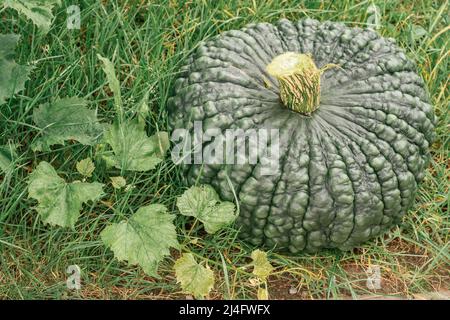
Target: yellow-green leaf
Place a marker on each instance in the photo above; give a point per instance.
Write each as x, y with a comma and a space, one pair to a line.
263, 293
194, 278
118, 182
85, 167
261, 266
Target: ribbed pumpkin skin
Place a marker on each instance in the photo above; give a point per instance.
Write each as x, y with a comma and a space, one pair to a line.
350, 170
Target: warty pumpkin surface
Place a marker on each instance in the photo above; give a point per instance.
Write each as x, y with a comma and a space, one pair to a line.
349, 169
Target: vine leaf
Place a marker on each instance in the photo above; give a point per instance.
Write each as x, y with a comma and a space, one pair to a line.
261, 266
194, 278
38, 11
204, 204
144, 239
118, 182
85, 167
66, 119
132, 149
7, 155
12, 76
59, 203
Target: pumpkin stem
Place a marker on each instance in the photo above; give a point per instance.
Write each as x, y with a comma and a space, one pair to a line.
299, 80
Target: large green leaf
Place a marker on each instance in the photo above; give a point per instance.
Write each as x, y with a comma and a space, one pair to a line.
144, 239
204, 204
66, 119
59, 203
193, 277
12, 75
38, 11
132, 148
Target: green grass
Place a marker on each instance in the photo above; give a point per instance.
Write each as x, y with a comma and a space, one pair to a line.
149, 40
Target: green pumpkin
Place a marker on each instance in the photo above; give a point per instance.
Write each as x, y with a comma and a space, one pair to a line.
354, 122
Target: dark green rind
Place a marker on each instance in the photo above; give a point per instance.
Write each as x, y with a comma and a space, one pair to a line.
347, 173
